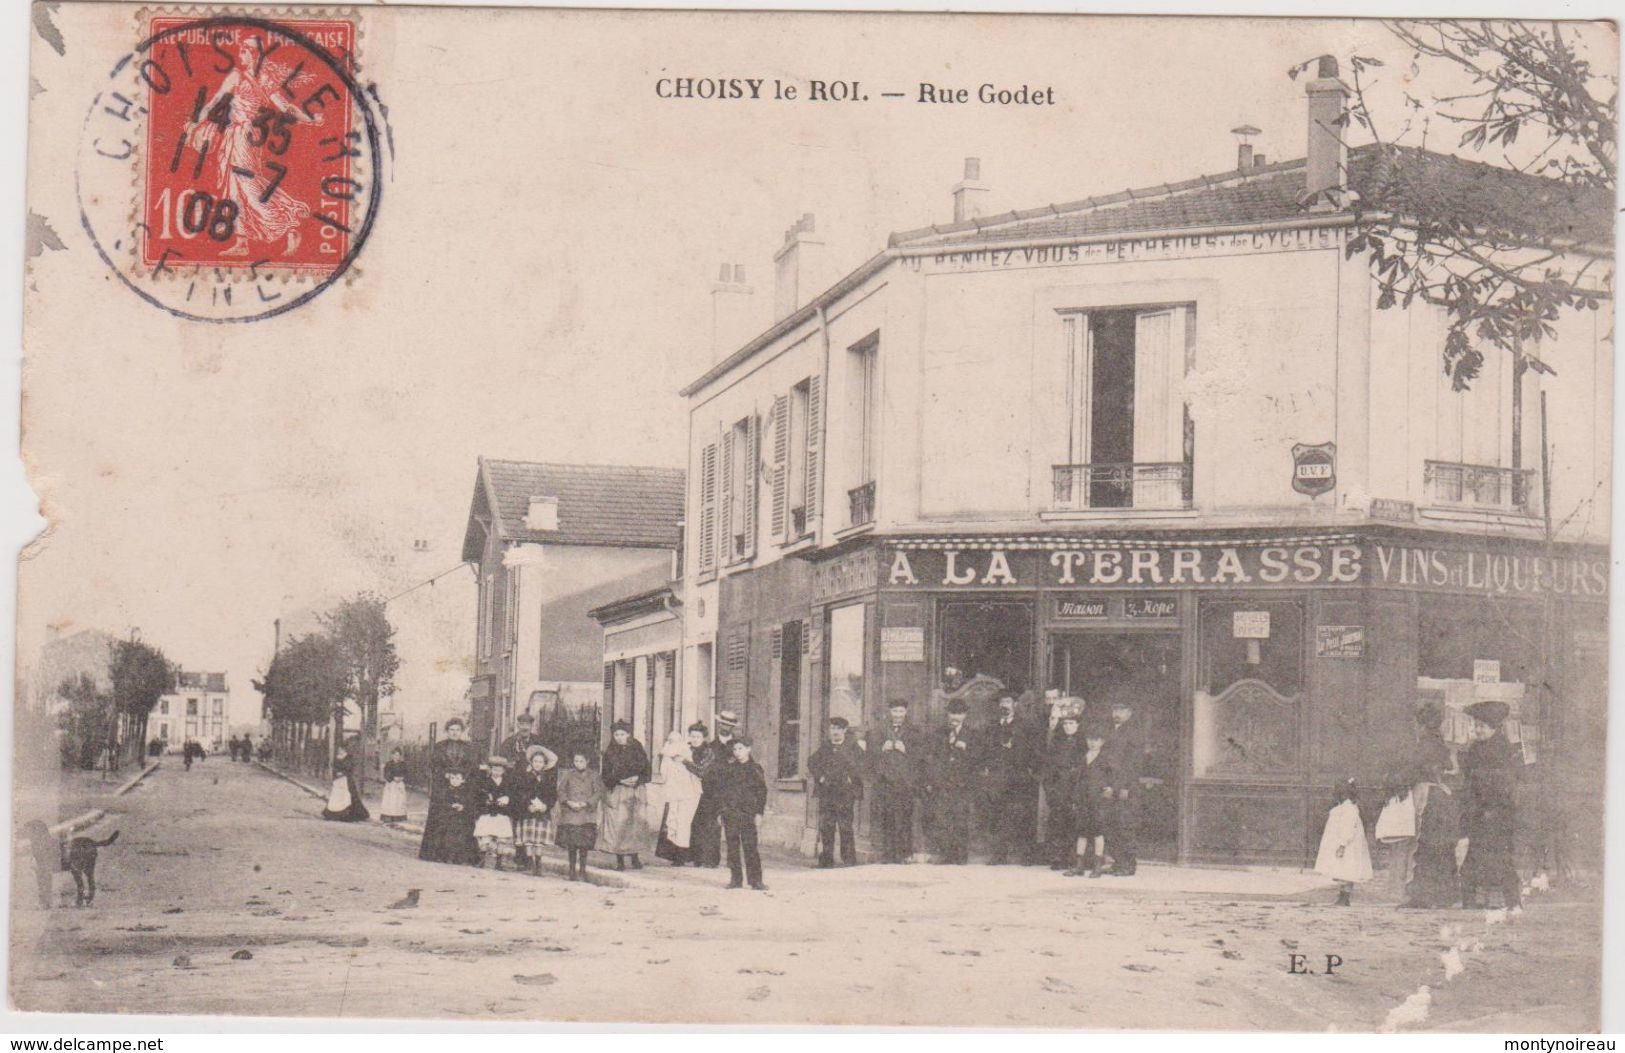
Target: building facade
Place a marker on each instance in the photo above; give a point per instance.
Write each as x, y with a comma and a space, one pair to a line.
1164, 444
199, 708
550, 543
643, 639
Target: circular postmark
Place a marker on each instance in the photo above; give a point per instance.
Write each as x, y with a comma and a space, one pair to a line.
231, 168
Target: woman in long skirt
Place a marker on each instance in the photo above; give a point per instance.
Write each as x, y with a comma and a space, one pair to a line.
679, 791
1491, 806
393, 808
344, 799
581, 791
536, 793
448, 833
625, 770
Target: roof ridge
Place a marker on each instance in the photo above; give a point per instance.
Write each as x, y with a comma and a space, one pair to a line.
569, 465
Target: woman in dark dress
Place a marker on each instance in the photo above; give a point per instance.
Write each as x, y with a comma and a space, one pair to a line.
448, 832
344, 799
1490, 768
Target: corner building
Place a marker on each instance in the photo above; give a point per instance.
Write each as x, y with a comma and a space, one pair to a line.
1161, 444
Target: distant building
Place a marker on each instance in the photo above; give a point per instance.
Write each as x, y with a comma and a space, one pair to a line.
198, 708
548, 541
88, 652
643, 636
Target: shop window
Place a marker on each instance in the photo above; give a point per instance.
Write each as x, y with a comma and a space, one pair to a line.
985, 647
1472, 650
1249, 697
1128, 429
847, 635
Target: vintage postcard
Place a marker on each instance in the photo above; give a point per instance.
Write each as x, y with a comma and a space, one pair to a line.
813, 518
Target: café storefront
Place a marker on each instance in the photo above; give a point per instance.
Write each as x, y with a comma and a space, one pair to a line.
1263, 665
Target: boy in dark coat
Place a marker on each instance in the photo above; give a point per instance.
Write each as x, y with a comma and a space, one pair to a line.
951, 784
1010, 756
838, 785
896, 778
1125, 756
1093, 801
742, 798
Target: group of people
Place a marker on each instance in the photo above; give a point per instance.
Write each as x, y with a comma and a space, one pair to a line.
1082, 774
1453, 839
507, 807
242, 749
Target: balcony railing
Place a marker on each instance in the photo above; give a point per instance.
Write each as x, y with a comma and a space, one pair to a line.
861, 505
1478, 486
1163, 485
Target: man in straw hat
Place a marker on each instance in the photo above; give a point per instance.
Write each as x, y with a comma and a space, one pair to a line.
1491, 778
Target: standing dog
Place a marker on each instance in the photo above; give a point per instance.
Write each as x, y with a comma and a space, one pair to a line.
75, 855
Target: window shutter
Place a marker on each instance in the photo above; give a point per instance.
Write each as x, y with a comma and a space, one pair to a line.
609, 689
815, 436
736, 683
752, 481
778, 641
706, 543
725, 508
781, 459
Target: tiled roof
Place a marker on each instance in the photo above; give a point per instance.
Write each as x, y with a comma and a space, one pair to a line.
598, 504
1393, 179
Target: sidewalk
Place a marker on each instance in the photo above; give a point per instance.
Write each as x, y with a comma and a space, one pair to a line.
784, 868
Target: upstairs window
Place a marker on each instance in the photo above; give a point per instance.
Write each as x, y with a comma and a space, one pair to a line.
1129, 435
741, 458
795, 461
1477, 442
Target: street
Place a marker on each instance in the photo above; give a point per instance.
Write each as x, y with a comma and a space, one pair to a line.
228, 858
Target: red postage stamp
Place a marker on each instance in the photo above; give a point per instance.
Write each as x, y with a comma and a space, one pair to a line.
249, 144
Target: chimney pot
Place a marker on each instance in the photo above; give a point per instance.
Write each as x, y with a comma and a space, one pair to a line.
1258, 160
970, 193
800, 268
724, 275
739, 273
1244, 157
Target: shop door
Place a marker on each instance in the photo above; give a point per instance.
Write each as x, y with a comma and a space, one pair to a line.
1144, 667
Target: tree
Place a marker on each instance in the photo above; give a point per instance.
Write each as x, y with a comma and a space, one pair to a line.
360, 629
306, 684
88, 720
141, 675
1503, 270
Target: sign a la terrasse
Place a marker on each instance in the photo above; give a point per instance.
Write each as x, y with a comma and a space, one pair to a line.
1404, 566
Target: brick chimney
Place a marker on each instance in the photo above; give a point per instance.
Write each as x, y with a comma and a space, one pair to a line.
970, 193
1244, 149
1326, 164
800, 268
732, 317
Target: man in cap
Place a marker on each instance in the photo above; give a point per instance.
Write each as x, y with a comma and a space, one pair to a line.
838, 784
951, 785
1125, 758
896, 777
514, 747
1010, 757
1491, 773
